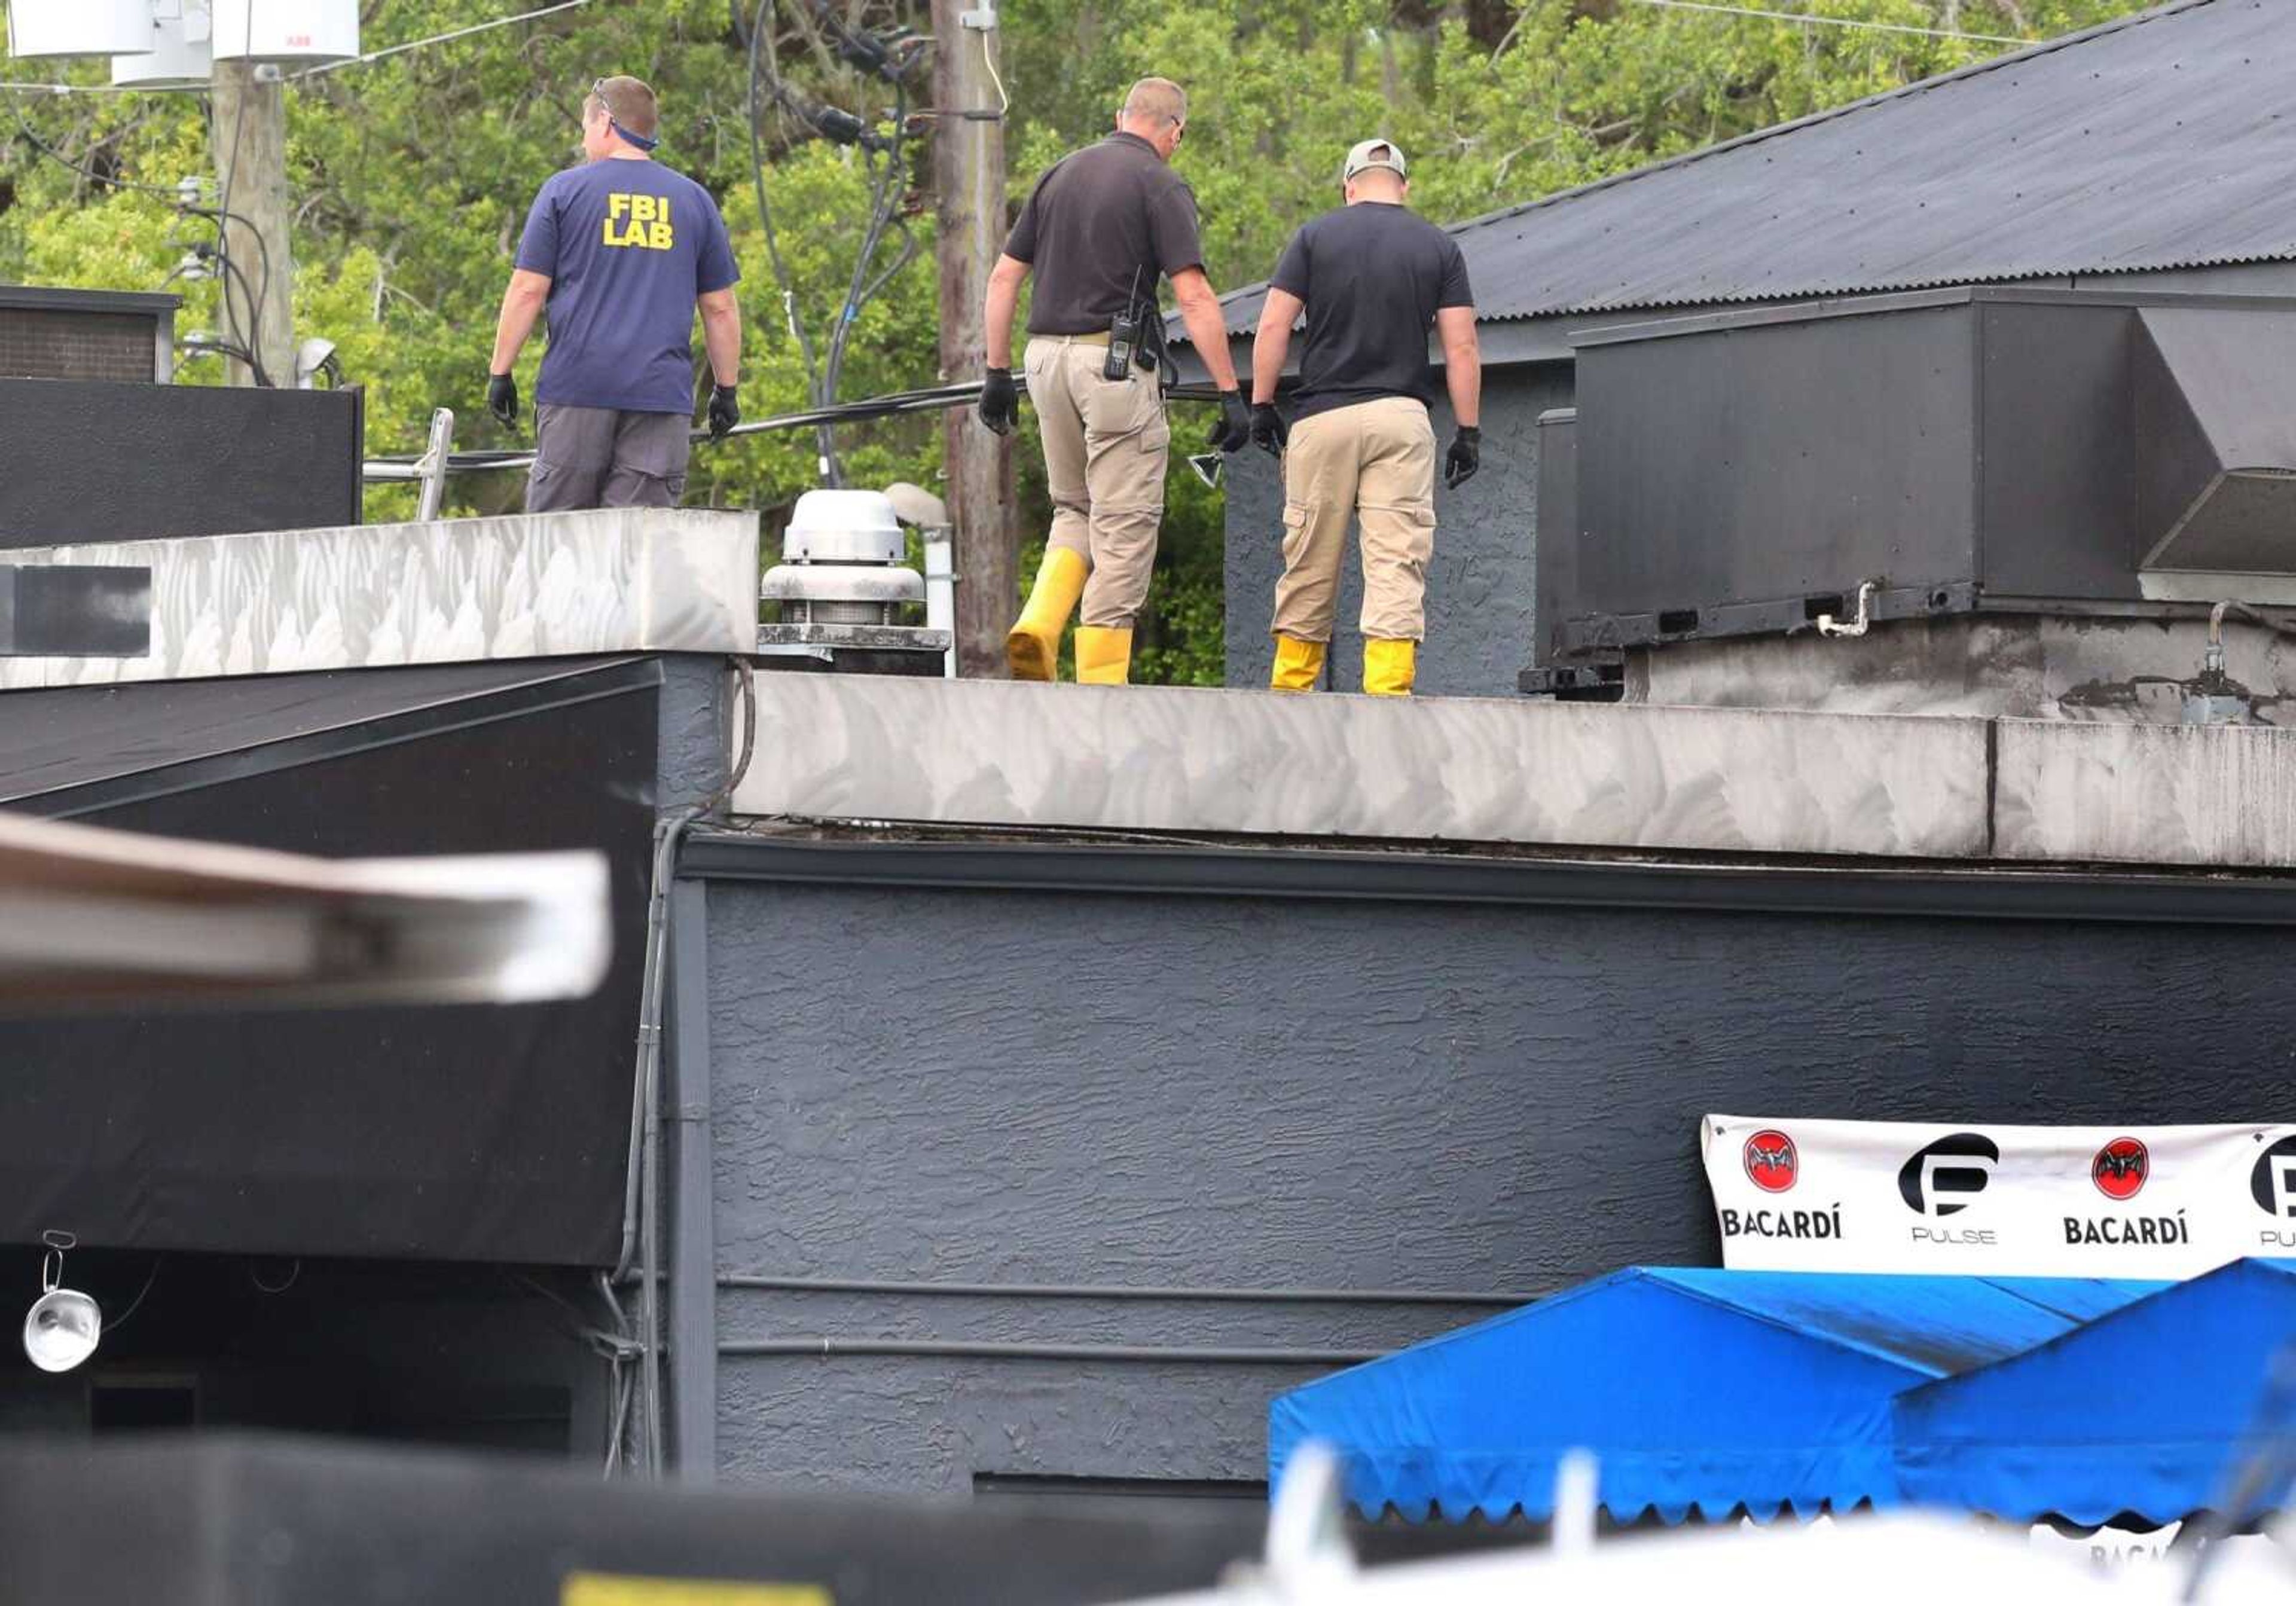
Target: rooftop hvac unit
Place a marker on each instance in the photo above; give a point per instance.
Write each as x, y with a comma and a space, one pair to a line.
78, 27
178, 57
286, 30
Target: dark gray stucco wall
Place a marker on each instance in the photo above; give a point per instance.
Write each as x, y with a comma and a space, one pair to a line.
1041, 1087
694, 746
1478, 586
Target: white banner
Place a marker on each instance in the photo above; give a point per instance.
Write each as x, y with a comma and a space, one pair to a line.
2021, 1201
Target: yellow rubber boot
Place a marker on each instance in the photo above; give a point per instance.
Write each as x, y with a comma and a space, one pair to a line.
1033, 646
1389, 666
1103, 656
1298, 665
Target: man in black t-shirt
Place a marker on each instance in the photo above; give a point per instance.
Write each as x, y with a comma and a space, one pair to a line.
1102, 226
1371, 278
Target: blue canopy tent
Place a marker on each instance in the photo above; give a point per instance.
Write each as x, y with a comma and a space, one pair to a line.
1698, 1390
2148, 1411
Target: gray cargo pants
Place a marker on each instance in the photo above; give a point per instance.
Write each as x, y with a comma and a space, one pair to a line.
599, 458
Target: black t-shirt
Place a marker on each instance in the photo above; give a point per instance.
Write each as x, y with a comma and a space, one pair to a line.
1100, 227
1373, 275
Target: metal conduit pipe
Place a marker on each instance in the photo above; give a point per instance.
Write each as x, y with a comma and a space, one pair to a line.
941, 397
642, 1186
767, 1281
986, 1350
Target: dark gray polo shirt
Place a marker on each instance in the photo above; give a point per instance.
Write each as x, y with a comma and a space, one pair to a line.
1102, 225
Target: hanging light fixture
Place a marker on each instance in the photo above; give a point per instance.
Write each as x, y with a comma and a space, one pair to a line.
62, 1328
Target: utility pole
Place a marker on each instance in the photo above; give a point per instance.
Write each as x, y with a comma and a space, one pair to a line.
250, 156
969, 179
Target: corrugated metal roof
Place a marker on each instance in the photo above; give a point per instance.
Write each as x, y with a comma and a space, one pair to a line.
2163, 140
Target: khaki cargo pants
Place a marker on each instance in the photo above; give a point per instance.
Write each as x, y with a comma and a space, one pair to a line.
1105, 444
1374, 462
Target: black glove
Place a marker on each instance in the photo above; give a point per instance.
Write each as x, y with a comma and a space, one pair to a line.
1269, 432
1232, 433
502, 397
725, 411
1465, 456
1000, 401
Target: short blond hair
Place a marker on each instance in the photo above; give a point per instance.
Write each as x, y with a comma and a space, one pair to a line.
1160, 98
630, 102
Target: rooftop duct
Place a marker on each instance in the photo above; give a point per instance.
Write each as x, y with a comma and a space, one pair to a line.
2215, 439
841, 588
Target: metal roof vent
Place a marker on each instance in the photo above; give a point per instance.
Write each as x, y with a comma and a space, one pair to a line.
841, 587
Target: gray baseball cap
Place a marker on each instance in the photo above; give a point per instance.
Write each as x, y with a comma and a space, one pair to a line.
1375, 154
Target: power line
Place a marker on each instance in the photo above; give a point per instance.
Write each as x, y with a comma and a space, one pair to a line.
459, 33
1810, 20
104, 88
1804, 18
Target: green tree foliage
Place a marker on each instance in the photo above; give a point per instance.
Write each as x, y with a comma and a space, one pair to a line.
411, 175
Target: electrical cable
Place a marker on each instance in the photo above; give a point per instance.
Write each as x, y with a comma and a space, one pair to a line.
459, 33
251, 338
60, 89
218, 214
858, 293
883, 156
758, 33
940, 398
112, 1324
642, 1186
989, 60
242, 349
1808, 20
294, 1276
741, 29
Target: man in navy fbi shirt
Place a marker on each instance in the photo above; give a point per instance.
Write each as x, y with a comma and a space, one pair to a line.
618, 253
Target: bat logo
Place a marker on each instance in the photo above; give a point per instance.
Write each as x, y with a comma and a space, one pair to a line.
1772, 1163
2121, 1169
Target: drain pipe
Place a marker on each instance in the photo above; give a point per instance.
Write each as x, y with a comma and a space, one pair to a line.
641, 1189
1858, 625
2214, 698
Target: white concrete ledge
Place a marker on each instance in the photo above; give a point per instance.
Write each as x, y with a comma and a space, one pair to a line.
1465, 770
454, 591
2147, 794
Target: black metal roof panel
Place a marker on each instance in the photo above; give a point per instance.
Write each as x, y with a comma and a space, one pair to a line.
461, 1133
71, 749
2163, 140
62, 298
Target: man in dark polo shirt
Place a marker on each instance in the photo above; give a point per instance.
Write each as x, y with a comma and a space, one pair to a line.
1100, 227
620, 252
1372, 278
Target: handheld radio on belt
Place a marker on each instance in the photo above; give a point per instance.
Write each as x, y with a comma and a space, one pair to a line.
1124, 335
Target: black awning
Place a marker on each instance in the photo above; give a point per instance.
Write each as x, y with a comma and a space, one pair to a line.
461, 1134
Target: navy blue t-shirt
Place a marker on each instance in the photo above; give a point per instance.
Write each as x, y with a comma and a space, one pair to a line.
629, 247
